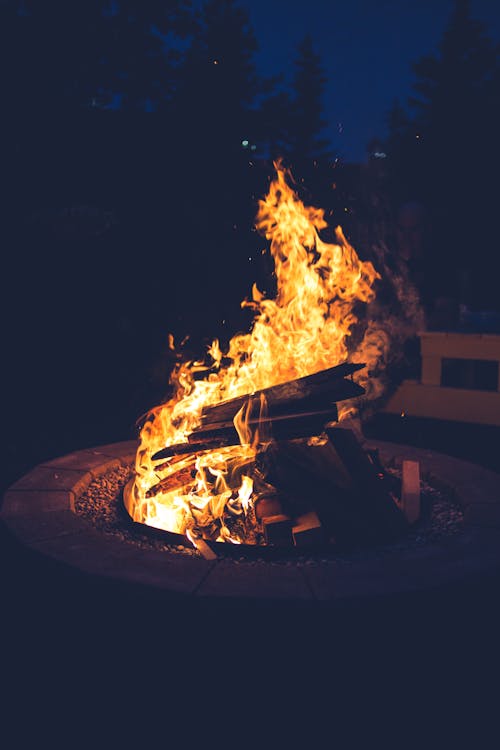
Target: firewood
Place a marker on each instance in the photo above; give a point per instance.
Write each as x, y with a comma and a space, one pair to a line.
278, 530
284, 427
180, 449
372, 493
312, 478
324, 387
169, 483
410, 490
205, 551
182, 471
307, 530
297, 408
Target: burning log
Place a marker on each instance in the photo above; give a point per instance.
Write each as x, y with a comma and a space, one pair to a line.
285, 427
182, 449
176, 478
282, 427
298, 408
301, 395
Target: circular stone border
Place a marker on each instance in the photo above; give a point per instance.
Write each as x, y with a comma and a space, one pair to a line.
39, 510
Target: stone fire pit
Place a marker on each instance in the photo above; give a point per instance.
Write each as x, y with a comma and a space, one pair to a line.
39, 510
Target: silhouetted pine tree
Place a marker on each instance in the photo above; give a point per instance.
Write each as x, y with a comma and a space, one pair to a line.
404, 152
143, 50
274, 118
51, 54
307, 149
308, 143
446, 155
63, 56
218, 84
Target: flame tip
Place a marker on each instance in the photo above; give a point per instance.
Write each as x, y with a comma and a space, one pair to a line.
305, 328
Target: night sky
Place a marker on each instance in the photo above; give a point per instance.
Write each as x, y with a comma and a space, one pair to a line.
367, 48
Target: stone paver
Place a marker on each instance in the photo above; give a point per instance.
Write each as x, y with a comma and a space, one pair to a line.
332, 581
173, 572
124, 452
87, 550
95, 463
106, 556
45, 478
39, 511
255, 581
45, 525
29, 502
415, 569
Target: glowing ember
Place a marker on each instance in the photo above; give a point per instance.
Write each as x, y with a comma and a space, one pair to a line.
305, 329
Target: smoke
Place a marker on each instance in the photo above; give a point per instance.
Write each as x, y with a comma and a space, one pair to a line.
386, 338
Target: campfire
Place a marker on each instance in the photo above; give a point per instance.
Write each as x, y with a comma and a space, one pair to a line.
255, 445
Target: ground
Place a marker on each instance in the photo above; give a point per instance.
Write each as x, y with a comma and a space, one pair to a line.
66, 634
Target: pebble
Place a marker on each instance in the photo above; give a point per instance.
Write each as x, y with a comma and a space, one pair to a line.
101, 504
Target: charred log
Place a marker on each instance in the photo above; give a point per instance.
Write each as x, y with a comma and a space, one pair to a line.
340, 485
298, 408
285, 427
306, 394
311, 478
371, 490
278, 530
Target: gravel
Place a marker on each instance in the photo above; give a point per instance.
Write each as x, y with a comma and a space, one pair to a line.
101, 504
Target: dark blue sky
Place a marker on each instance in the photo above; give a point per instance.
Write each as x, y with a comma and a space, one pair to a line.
367, 47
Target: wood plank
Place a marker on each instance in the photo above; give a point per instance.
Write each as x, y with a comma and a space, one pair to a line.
278, 530
438, 402
203, 548
267, 506
410, 490
460, 345
307, 530
431, 370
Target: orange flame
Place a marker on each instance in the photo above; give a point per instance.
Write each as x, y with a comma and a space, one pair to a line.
305, 329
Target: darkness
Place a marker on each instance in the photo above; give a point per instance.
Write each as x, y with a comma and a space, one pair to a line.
135, 146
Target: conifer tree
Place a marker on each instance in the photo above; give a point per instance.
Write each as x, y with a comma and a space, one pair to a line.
308, 141
142, 49
65, 56
446, 155
218, 83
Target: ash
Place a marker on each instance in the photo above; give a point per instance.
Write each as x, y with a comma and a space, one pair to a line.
101, 504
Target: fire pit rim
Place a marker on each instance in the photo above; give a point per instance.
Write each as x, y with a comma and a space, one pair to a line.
39, 510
